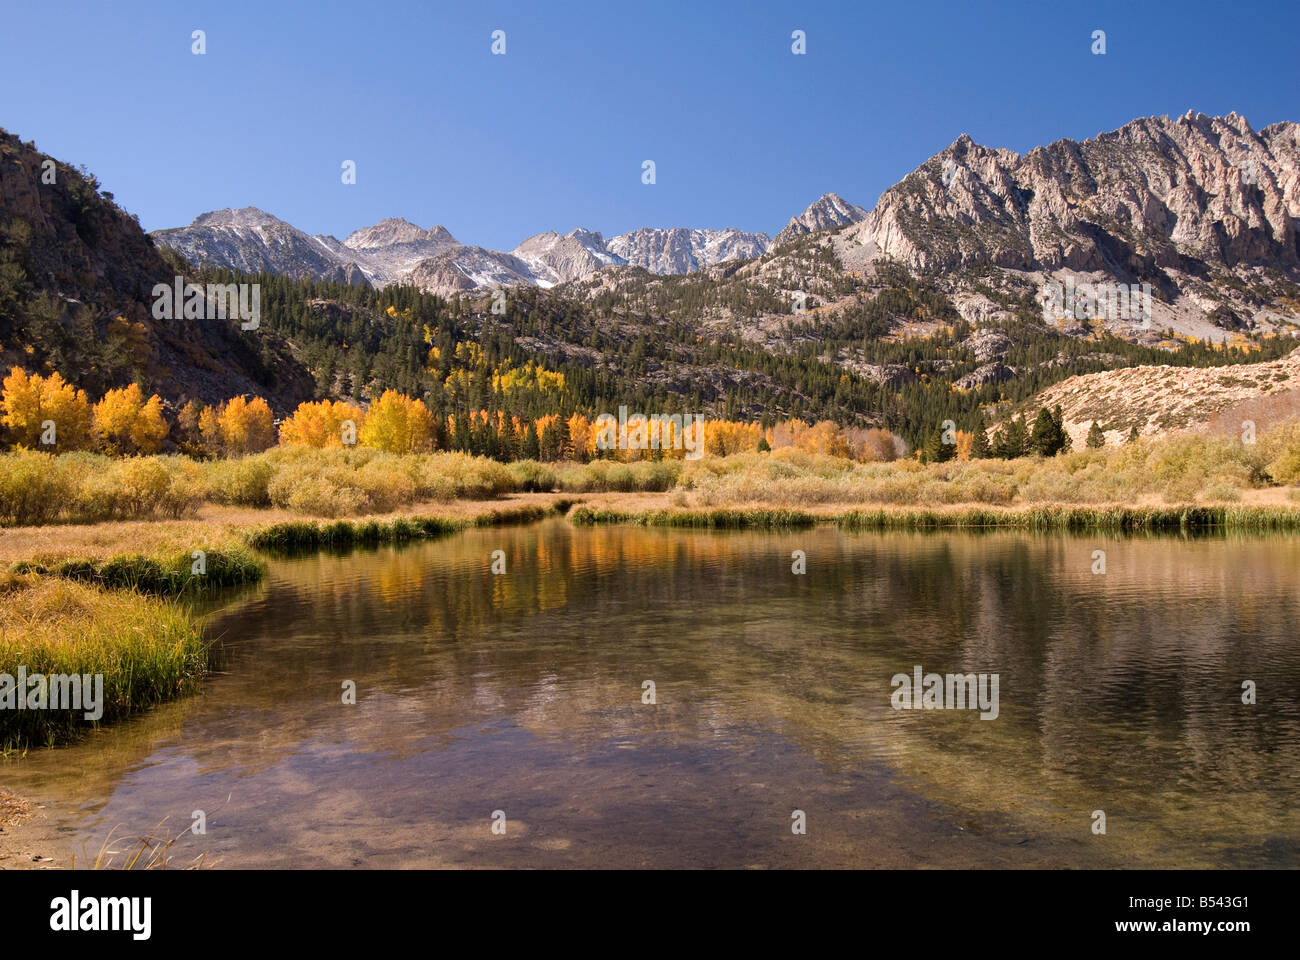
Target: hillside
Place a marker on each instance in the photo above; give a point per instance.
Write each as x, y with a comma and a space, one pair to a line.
1161, 399
76, 275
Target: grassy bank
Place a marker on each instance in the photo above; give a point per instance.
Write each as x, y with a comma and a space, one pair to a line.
148, 650
970, 516
168, 576
301, 535
711, 519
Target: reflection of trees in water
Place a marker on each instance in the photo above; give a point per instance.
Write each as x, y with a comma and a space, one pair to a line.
1124, 686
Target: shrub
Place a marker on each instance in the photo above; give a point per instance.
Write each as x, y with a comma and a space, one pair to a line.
241, 482
32, 491
532, 477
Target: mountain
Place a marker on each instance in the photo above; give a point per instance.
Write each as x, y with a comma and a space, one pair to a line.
830, 210
680, 251
250, 240
76, 295
930, 307
392, 248
396, 250
461, 269
1205, 209
553, 258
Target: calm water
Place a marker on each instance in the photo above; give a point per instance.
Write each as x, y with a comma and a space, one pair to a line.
523, 693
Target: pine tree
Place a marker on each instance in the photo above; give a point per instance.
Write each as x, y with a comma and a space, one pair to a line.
1133, 435
563, 442
1096, 439
936, 451
1044, 439
979, 449
1063, 441
1016, 441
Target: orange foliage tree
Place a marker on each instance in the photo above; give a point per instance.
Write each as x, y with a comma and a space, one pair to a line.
323, 424
31, 405
127, 423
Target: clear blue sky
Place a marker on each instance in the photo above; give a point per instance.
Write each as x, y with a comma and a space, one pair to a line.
552, 135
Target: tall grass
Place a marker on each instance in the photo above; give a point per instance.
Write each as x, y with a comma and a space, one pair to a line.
39, 488
1039, 517
712, 519
147, 649
163, 576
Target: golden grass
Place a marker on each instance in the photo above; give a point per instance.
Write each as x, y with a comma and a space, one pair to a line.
147, 650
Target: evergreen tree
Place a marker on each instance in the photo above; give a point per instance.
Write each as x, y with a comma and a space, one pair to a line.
1133, 435
1016, 441
1096, 439
1044, 438
936, 451
563, 442
1064, 443
979, 448
531, 449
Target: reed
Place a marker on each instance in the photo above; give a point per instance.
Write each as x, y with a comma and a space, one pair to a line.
1038, 517
148, 650
727, 519
167, 576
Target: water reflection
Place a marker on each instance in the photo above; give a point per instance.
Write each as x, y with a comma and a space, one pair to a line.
1119, 692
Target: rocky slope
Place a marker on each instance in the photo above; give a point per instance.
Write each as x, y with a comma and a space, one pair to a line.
1205, 209
1159, 399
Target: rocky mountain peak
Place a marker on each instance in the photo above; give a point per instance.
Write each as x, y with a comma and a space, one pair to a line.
394, 230
829, 210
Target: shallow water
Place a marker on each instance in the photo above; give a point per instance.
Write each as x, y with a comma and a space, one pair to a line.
522, 693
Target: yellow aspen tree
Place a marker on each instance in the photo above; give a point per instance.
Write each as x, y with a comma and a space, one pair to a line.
210, 430
29, 405
115, 417
320, 424
398, 424
247, 426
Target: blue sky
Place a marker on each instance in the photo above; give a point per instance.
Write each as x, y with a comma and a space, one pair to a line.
552, 135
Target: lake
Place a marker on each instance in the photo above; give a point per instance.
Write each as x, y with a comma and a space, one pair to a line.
519, 701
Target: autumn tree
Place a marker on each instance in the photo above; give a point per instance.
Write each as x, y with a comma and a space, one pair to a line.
245, 426
323, 424
127, 423
35, 409
398, 424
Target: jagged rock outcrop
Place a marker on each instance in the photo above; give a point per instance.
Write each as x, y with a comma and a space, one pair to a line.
553, 258
1154, 194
